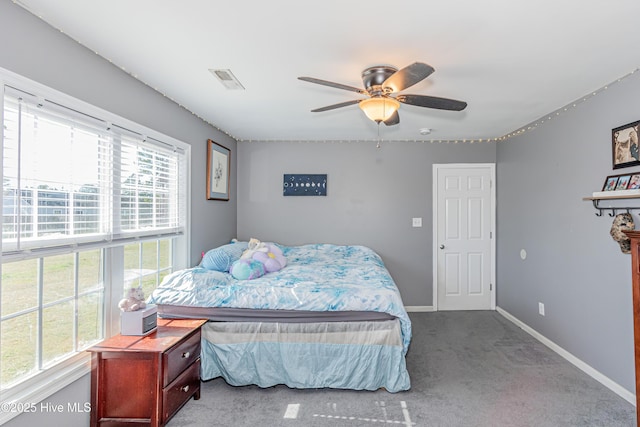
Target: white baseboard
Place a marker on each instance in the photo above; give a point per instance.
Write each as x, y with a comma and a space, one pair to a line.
598, 376
418, 308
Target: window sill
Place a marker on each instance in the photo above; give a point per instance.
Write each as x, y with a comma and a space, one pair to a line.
26, 397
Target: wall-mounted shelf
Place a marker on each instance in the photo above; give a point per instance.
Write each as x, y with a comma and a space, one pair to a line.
613, 209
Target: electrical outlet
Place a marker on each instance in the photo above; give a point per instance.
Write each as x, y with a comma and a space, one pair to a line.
416, 222
541, 309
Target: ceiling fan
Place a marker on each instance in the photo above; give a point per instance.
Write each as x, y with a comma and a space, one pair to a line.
382, 84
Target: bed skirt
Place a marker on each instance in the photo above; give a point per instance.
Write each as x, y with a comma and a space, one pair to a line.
345, 355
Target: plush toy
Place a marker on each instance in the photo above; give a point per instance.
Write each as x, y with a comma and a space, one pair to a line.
253, 246
268, 255
247, 269
272, 258
134, 300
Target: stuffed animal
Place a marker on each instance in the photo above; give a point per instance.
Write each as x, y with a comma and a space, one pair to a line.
247, 269
253, 246
268, 255
272, 258
134, 300
621, 223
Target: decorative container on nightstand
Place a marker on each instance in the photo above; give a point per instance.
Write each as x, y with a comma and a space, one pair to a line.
140, 322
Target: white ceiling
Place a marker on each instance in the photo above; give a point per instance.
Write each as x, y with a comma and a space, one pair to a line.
512, 61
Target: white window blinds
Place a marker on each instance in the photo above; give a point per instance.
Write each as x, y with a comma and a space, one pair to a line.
149, 189
73, 179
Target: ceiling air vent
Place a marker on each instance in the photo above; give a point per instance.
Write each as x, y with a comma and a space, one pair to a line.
227, 78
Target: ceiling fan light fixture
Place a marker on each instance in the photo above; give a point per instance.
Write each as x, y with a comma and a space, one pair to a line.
379, 109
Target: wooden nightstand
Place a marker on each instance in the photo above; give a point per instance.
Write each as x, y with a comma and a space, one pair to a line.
144, 381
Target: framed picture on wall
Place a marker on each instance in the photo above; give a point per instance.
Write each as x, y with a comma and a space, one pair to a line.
218, 171
304, 184
624, 145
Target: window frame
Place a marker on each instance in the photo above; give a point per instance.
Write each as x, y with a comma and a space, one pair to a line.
47, 382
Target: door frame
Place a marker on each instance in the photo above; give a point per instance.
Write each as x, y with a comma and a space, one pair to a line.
492, 171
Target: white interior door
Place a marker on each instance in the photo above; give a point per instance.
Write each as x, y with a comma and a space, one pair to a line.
464, 248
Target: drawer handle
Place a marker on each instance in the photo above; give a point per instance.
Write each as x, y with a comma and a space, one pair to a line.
185, 388
186, 354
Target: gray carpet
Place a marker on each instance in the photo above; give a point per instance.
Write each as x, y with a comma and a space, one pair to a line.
466, 368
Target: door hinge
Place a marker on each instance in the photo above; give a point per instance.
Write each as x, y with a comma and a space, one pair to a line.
490, 286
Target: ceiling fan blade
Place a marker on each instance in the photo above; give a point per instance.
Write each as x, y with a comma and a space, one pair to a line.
334, 106
393, 120
408, 76
332, 84
432, 102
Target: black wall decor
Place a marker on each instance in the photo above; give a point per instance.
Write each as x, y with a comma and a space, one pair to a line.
304, 185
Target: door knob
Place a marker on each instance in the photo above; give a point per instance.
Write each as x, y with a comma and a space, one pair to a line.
441, 246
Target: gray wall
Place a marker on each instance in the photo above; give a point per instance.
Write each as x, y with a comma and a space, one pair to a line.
573, 265
37, 51
372, 195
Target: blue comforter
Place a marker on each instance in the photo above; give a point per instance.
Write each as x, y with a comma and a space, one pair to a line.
319, 277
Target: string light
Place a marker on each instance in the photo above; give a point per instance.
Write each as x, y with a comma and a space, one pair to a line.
526, 128
135, 76
529, 127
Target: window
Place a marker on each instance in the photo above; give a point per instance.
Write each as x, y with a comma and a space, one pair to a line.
52, 164
91, 202
146, 264
52, 307
71, 179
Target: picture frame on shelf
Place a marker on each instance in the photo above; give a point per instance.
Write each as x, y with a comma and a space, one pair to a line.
610, 183
634, 182
624, 145
620, 186
218, 171
623, 182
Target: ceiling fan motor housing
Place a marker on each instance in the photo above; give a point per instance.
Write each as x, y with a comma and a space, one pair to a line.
373, 77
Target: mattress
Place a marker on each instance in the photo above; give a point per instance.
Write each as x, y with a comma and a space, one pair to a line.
321, 282
226, 314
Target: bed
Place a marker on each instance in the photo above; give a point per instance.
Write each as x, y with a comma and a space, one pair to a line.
332, 318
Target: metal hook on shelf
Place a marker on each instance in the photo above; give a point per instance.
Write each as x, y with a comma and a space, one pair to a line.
612, 211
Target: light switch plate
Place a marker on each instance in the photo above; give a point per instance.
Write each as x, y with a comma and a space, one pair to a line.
417, 222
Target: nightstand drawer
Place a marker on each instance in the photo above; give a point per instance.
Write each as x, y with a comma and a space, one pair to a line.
177, 359
179, 391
